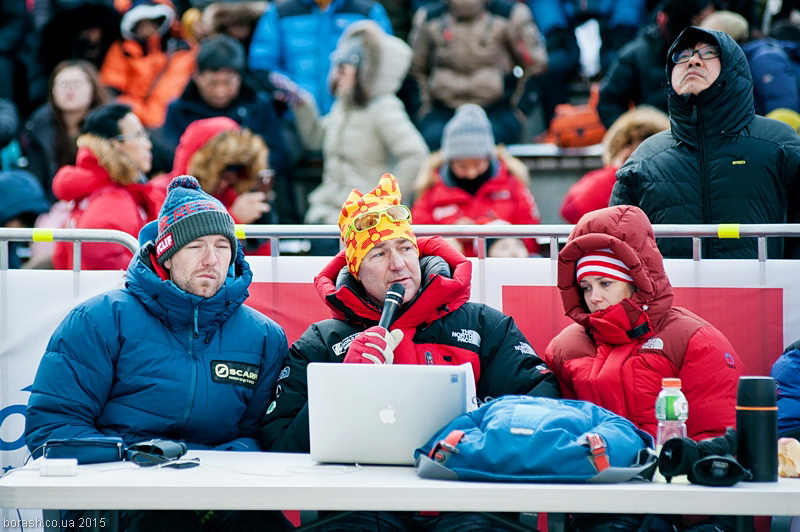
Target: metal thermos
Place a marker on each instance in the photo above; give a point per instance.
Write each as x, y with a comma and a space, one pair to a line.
757, 427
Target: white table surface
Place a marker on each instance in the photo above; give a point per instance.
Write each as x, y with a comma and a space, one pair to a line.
246, 481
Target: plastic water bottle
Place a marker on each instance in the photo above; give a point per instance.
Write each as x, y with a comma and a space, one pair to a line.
672, 411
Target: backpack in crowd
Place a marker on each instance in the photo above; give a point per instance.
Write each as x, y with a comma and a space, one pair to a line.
575, 126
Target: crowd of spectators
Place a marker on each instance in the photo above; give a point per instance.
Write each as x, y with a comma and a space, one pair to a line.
331, 93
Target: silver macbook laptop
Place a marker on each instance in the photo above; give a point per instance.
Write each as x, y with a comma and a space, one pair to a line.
379, 414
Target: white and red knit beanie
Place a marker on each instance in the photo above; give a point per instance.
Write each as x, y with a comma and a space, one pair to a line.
602, 262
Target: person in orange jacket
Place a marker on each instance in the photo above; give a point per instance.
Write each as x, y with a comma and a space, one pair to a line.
152, 63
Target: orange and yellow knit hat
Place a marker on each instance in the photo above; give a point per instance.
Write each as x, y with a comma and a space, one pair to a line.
358, 243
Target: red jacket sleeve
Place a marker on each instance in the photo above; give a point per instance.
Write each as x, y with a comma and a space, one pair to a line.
709, 379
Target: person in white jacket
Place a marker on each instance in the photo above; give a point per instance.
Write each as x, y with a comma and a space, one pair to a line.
368, 131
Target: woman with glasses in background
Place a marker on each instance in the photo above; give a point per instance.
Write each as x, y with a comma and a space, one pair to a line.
49, 140
107, 187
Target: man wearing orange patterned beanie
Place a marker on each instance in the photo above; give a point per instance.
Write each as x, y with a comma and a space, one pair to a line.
435, 324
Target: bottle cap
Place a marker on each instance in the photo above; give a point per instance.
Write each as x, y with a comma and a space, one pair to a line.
757, 392
670, 382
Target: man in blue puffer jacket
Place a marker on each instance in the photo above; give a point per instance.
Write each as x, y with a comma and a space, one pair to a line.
175, 354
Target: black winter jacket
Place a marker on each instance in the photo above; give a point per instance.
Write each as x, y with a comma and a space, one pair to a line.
636, 76
439, 327
719, 163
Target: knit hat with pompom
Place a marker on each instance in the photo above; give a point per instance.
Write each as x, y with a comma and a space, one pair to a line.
189, 213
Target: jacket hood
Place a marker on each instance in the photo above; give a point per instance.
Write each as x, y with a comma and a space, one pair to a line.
219, 15
727, 105
207, 146
20, 193
161, 11
446, 281
98, 165
625, 230
176, 308
385, 59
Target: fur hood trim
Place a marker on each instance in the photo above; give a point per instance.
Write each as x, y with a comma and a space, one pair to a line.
230, 147
221, 14
430, 169
118, 165
147, 11
385, 59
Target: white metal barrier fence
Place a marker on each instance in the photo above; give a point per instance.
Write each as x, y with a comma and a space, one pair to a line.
555, 234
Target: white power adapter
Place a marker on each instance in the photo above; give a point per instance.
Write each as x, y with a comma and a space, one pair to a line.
58, 467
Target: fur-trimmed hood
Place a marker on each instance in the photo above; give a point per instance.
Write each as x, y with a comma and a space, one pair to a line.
98, 164
625, 230
430, 169
218, 15
384, 61
209, 145
160, 10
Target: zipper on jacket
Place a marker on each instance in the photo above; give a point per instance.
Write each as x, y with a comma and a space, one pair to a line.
193, 378
704, 183
194, 320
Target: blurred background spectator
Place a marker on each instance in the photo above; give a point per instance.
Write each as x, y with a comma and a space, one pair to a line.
593, 190
774, 83
230, 163
21, 202
107, 186
9, 126
152, 63
617, 21
220, 86
637, 75
70, 29
49, 139
475, 52
296, 37
472, 181
15, 30
367, 131
237, 19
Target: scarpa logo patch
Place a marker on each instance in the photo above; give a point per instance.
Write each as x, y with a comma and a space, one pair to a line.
341, 348
230, 372
468, 336
653, 343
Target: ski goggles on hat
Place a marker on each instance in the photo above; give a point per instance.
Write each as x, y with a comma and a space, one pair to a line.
368, 220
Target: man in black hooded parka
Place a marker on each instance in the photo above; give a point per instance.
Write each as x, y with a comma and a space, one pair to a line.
720, 162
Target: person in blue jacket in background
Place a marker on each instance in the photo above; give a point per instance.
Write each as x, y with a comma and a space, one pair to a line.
296, 38
174, 355
786, 372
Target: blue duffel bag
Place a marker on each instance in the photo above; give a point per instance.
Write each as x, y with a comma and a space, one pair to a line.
536, 439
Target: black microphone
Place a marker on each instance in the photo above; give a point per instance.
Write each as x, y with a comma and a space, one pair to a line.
394, 298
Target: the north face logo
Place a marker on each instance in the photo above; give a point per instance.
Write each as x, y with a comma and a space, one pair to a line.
522, 347
468, 336
653, 343
341, 348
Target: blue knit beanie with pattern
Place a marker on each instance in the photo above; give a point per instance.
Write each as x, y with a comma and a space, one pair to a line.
189, 213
